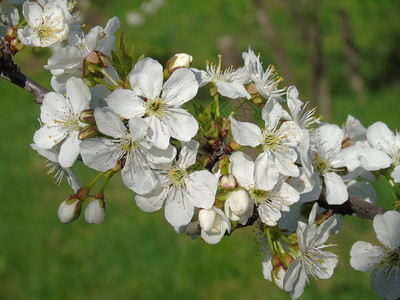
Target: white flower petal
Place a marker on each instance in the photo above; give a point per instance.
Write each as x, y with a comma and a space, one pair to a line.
266, 174
387, 229
336, 191
381, 137
242, 167
246, 134
364, 256
99, 154
146, 78
181, 124
180, 87
78, 95
178, 208
69, 150
138, 177
126, 104
152, 201
47, 137
202, 187
109, 123
384, 285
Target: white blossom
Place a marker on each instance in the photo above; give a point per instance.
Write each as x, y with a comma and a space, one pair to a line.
277, 141
383, 262
181, 191
47, 25
162, 112
229, 82
266, 82
269, 203
310, 259
60, 118
131, 145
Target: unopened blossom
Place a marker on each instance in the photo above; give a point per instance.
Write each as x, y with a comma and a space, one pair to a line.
238, 207
214, 224
47, 25
69, 210
95, 211
229, 82
180, 190
383, 262
269, 203
384, 151
179, 60
277, 139
131, 145
310, 260
267, 81
159, 103
61, 124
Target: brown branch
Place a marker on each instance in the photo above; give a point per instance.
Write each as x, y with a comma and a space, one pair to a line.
353, 206
11, 72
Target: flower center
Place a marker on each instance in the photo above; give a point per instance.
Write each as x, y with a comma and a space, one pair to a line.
271, 141
259, 196
155, 108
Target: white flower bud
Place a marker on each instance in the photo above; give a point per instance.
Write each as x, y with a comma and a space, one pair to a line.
95, 211
237, 206
227, 181
207, 218
69, 210
213, 224
179, 60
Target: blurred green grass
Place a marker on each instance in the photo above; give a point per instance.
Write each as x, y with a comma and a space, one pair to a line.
135, 254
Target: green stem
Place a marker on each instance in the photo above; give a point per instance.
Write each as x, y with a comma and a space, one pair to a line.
102, 81
107, 175
286, 240
105, 73
216, 101
90, 185
271, 245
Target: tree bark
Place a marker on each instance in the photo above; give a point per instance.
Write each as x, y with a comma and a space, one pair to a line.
11, 72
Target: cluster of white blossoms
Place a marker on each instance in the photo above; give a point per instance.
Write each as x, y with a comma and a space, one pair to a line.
211, 173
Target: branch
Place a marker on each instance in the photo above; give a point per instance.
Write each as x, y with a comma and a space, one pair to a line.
353, 206
11, 72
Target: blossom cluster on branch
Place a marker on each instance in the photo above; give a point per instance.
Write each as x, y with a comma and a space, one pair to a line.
117, 114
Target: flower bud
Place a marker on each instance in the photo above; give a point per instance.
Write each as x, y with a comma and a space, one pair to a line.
179, 60
95, 211
207, 218
16, 46
237, 206
70, 209
87, 116
87, 132
93, 58
11, 33
227, 181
